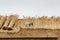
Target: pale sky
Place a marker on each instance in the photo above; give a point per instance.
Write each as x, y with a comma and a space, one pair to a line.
30, 7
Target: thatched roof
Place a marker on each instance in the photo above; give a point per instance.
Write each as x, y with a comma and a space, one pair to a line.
44, 22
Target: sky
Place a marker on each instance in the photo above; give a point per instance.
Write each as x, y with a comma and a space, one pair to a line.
30, 7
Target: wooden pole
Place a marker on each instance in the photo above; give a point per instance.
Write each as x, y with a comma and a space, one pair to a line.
2, 20
14, 18
6, 22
